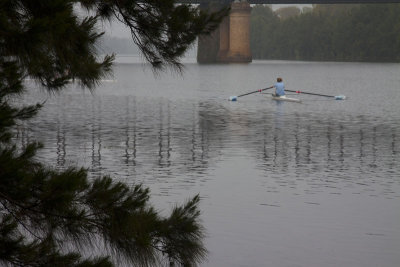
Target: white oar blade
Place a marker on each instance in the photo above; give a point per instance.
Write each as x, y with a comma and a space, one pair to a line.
340, 97
232, 98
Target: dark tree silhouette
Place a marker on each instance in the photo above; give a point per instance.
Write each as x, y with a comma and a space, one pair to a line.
47, 216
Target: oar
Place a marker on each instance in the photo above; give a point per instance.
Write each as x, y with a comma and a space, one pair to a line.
337, 97
234, 98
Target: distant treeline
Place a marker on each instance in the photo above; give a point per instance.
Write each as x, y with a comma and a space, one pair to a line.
358, 32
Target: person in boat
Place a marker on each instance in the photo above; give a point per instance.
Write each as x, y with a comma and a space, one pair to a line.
279, 88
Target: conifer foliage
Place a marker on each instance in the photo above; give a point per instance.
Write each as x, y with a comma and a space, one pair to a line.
54, 218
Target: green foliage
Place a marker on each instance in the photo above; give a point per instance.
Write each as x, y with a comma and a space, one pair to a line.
357, 32
263, 22
48, 217
288, 12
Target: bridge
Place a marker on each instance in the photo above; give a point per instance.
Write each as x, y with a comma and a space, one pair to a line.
256, 2
231, 41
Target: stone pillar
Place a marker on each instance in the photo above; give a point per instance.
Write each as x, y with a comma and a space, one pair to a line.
230, 42
239, 34
223, 40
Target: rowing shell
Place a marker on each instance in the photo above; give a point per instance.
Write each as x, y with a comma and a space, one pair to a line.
285, 98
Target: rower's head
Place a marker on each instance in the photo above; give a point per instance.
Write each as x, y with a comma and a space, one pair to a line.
279, 80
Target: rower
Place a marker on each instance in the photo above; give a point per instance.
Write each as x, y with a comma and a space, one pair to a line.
279, 88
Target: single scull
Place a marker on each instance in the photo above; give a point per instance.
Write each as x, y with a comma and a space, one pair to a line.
285, 98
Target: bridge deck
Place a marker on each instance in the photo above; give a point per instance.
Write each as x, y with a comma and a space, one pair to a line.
294, 1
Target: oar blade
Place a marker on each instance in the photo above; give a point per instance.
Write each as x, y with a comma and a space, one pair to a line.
340, 97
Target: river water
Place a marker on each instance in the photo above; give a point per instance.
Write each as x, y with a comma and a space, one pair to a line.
284, 184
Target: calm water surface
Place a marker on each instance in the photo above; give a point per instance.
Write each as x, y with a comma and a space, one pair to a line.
282, 184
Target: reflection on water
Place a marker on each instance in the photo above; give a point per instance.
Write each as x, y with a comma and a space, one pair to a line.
279, 181
157, 142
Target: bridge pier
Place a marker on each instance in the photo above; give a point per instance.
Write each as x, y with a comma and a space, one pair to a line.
231, 41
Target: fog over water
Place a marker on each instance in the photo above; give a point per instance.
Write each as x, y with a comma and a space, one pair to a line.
285, 184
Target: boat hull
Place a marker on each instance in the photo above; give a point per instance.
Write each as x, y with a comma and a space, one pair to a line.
285, 98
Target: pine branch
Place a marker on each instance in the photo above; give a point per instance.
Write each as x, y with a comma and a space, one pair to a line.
42, 208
